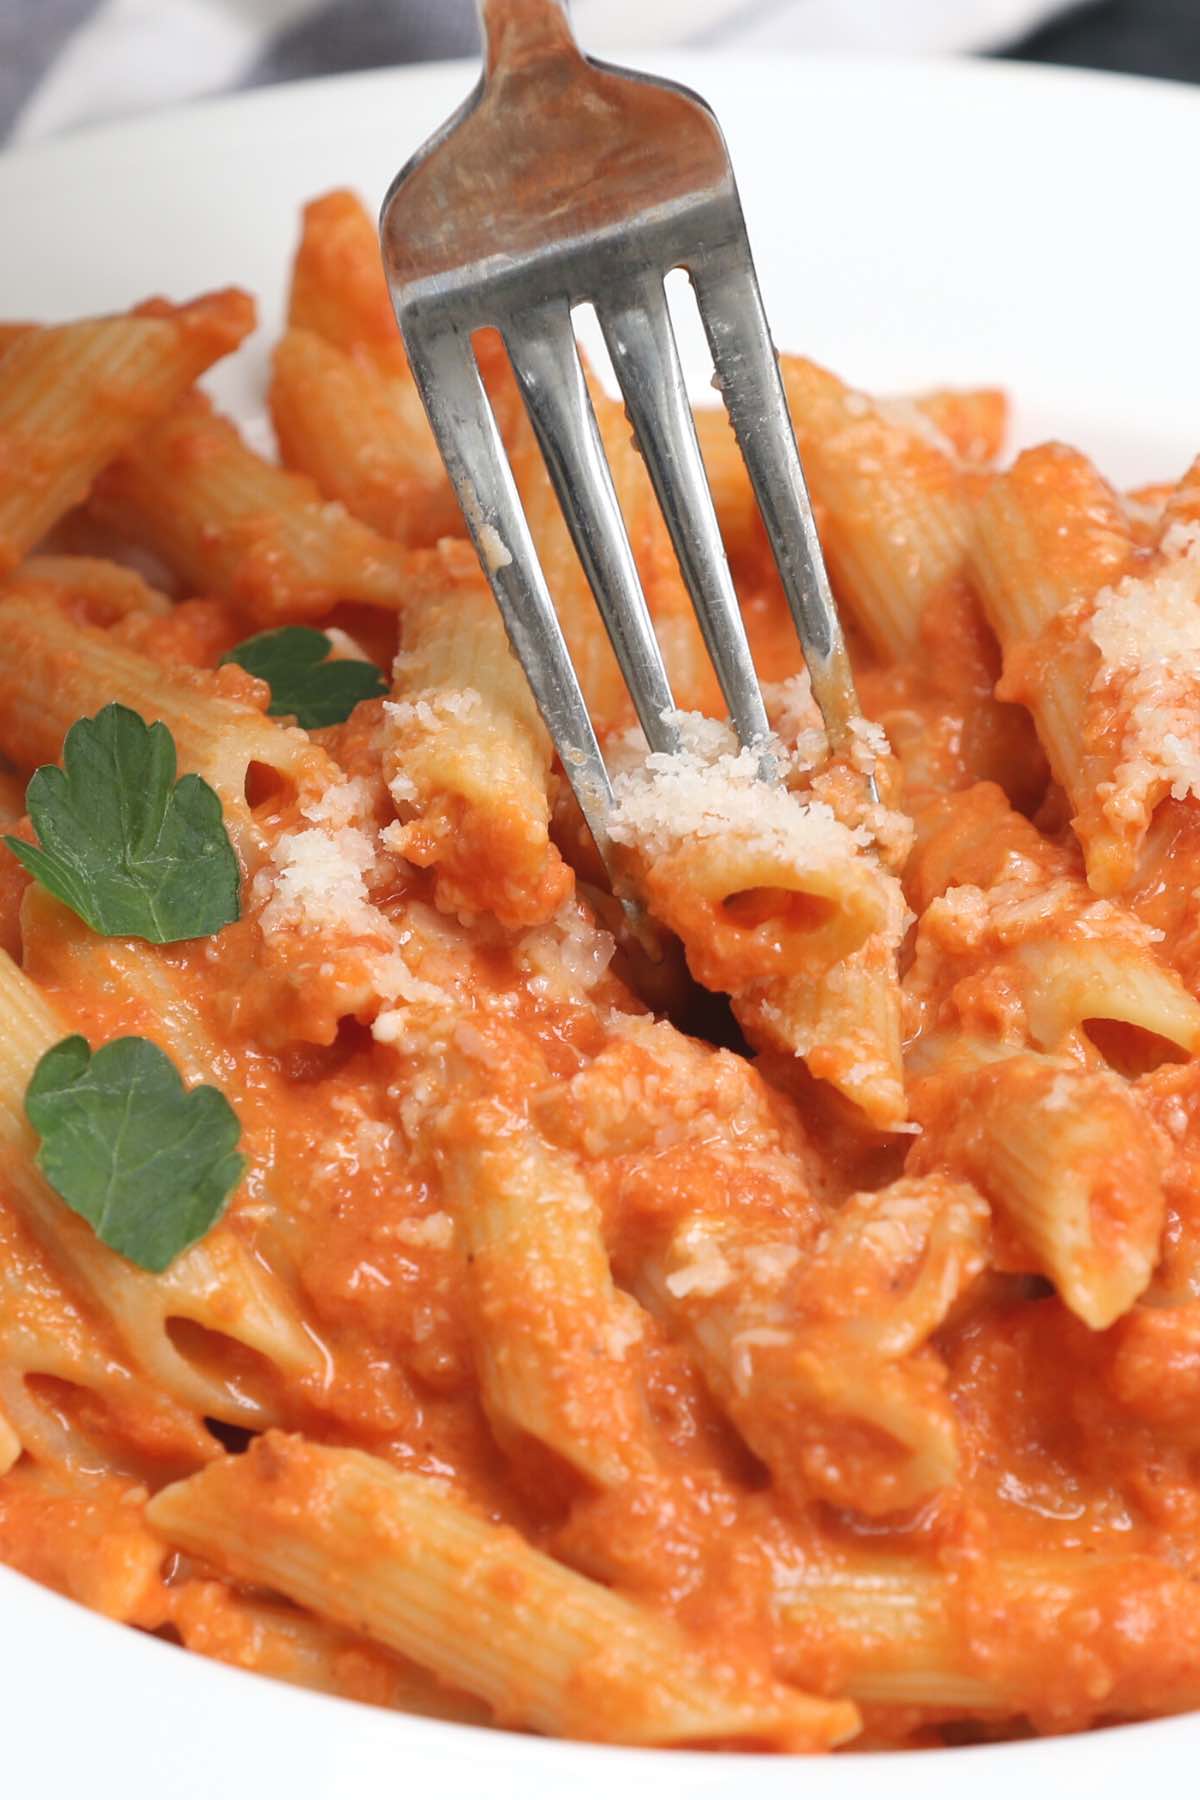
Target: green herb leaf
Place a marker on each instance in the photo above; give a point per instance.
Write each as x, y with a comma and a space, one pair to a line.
147, 1163
304, 682
131, 850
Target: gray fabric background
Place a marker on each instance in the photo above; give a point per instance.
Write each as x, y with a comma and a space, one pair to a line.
1151, 37
31, 34
369, 34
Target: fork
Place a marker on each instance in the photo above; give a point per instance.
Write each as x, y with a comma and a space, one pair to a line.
563, 180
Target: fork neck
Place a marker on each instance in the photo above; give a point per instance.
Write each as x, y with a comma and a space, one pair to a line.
519, 32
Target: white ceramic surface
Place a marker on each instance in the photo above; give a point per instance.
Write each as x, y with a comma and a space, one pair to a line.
914, 223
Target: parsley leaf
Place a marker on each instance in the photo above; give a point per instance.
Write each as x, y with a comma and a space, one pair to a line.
304, 682
131, 850
147, 1163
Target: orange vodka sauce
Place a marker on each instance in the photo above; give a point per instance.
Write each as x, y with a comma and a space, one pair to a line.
790, 1343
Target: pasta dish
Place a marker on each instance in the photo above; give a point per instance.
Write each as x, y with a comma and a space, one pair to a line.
416, 1284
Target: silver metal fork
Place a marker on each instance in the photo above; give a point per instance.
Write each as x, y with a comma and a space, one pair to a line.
563, 180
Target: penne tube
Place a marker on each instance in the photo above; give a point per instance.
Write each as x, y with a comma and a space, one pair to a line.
552, 1334
968, 423
746, 910
181, 1326
274, 1639
10, 1446
336, 423
903, 1633
1053, 555
227, 522
68, 1394
761, 886
837, 1394
1068, 1161
338, 288
845, 1023
1076, 985
46, 685
893, 1628
1047, 532
1002, 906
74, 396
466, 754
1181, 504
106, 591
896, 508
347, 1536
338, 293
973, 420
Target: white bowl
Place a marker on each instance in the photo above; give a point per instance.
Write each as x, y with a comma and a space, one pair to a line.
915, 223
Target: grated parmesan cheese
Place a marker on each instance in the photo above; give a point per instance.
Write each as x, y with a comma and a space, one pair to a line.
796, 718
434, 1232
568, 955
624, 1328
341, 803
709, 789
706, 1271
496, 554
433, 707
742, 1349
315, 882
1147, 630
768, 1264
869, 747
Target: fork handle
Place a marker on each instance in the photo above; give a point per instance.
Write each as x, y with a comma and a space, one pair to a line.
523, 31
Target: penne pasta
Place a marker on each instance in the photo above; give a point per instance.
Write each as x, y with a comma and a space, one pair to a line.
466, 755
973, 420
757, 882
10, 1446
1068, 1162
274, 1639
837, 1394
107, 591
178, 1326
846, 1025
553, 1335
337, 287
992, 890
896, 508
1059, 570
72, 397
47, 686
407, 1554
916, 1631
335, 424
228, 522
679, 1311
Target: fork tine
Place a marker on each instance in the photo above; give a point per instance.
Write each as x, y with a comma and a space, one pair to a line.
748, 376
641, 342
545, 359
444, 368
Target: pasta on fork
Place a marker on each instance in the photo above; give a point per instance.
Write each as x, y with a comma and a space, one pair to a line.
412, 1290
